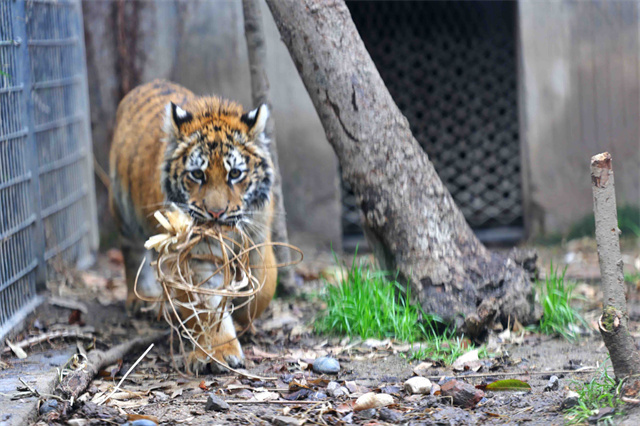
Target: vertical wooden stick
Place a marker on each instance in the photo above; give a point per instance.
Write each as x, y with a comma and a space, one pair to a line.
613, 323
254, 34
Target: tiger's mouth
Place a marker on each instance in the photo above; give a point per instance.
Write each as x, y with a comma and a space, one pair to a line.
203, 218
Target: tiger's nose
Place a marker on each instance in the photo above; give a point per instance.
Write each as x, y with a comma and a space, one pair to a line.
217, 213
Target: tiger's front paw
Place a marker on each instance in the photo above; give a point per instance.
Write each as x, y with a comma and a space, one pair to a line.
226, 354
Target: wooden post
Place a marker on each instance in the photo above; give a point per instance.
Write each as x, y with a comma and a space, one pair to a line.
613, 323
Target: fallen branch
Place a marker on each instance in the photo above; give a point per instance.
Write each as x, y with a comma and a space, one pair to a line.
613, 323
45, 337
76, 382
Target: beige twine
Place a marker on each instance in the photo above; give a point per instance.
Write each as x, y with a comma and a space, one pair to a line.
184, 298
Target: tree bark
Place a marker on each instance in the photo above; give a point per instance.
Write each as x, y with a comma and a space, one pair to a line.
614, 321
410, 218
254, 34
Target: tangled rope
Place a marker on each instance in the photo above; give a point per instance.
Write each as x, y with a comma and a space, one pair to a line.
190, 304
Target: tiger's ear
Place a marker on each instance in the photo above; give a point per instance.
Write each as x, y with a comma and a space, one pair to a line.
256, 120
174, 118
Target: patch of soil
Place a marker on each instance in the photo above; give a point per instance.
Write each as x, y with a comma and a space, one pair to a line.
282, 351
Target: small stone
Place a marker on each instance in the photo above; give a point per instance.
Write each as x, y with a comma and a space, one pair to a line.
326, 365
418, 385
571, 399
216, 403
143, 422
601, 414
48, 406
316, 396
348, 419
335, 390
463, 394
553, 385
286, 421
391, 416
367, 414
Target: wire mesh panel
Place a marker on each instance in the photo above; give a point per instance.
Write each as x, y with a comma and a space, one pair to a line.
451, 68
47, 214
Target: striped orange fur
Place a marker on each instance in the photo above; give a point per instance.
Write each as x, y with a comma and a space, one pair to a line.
207, 156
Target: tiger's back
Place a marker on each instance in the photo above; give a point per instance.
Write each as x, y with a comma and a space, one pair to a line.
137, 155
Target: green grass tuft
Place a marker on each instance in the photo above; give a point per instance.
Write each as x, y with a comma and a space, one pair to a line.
369, 304
558, 314
598, 393
628, 222
632, 278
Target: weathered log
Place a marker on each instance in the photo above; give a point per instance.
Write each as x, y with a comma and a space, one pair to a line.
410, 218
76, 382
614, 321
254, 34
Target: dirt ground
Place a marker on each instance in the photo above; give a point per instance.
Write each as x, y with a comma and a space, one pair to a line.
283, 348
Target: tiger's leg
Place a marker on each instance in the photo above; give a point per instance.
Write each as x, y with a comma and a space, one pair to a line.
148, 287
245, 315
220, 340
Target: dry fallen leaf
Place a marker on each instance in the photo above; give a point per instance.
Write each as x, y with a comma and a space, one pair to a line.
372, 400
262, 354
265, 396
134, 417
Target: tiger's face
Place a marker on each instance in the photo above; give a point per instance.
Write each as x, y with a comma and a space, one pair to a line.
217, 166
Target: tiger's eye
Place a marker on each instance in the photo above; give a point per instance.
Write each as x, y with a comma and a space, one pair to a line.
234, 173
197, 174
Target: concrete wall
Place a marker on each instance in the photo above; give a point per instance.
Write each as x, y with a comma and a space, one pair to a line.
201, 45
580, 96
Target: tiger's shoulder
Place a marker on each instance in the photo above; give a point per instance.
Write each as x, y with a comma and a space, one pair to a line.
137, 154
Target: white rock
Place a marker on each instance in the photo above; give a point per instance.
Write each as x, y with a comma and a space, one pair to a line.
418, 385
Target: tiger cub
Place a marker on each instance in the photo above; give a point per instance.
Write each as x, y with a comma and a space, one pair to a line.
210, 158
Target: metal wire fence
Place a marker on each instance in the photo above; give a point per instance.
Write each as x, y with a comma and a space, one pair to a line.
47, 199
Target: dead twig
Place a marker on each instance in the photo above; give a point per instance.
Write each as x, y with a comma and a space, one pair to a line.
511, 374
45, 337
77, 381
128, 372
278, 402
102, 175
31, 391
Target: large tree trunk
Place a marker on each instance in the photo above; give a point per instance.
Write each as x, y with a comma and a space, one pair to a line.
254, 34
410, 217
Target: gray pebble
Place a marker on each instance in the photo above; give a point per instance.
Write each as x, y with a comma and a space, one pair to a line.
390, 416
48, 406
367, 414
335, 390
326, 365
553, 385
571, 399
317, 396
141, 422
216, 403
